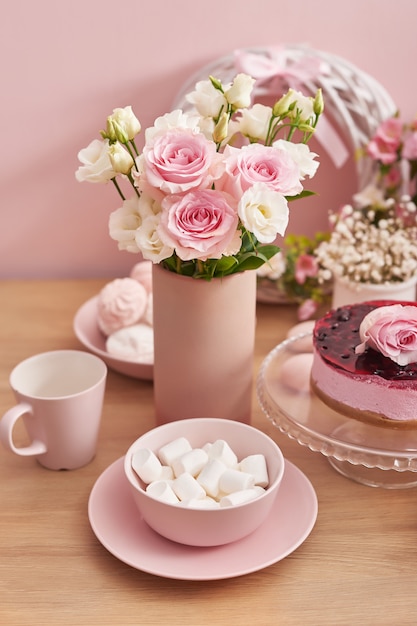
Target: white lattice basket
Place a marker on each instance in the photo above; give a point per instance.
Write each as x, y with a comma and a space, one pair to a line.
355, 102
355, 105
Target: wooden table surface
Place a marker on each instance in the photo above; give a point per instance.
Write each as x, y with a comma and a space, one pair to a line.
358, 566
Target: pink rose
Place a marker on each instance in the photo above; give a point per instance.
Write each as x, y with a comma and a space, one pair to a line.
200, 224
392, 330
257, 163
180, 159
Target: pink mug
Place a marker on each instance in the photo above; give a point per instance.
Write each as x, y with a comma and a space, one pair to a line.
60, 399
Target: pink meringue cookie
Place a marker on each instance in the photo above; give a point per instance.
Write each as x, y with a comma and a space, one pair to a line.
142, 272
121, 303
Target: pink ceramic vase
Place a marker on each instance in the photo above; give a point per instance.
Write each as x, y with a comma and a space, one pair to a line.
204, 343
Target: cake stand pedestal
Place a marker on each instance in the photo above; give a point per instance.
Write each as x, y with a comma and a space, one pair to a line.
371, 455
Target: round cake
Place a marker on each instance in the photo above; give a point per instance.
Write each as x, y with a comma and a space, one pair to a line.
365, 362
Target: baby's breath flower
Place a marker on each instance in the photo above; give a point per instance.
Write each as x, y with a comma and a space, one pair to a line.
367, 246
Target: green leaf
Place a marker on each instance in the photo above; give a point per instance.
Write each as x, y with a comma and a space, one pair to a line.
268, 251
251, 262
249, 242
304, 194
225, 264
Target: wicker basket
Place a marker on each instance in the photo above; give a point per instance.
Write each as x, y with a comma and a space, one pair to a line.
354, 101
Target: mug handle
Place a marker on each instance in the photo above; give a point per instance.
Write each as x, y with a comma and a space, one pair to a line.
7, 423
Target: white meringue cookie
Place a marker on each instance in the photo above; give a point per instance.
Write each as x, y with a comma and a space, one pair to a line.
133, 343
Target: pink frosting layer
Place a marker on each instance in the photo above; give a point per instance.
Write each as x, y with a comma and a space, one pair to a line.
397, 401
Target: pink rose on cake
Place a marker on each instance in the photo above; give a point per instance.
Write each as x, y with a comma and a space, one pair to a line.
391, 330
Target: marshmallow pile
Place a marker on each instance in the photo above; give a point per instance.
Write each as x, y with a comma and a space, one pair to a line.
206, 477
125, 312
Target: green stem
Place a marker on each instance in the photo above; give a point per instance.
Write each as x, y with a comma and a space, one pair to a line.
129, 149
270, 134
132, 141
119, 191
132, 182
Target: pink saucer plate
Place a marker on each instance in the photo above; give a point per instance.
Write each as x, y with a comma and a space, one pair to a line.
88, 333
117, 525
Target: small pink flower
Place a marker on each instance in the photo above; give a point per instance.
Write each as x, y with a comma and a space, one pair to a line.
393, 178
391, 330
306, 310
380, 150
306, 266
200, 224
390, 131
386, 141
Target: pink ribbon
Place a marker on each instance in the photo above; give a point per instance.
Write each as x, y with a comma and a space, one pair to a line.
273, 75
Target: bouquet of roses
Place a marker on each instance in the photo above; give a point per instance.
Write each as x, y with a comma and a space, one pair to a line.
209, 190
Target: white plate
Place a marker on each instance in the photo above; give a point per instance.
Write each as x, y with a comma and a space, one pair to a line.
117, 524
88, 333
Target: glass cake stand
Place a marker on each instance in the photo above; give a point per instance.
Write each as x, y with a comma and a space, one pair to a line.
372, 455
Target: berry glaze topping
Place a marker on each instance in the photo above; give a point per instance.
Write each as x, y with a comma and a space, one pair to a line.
336, 336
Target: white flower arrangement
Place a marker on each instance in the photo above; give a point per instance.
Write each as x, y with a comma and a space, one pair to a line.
211, 186
374, 239
375, 244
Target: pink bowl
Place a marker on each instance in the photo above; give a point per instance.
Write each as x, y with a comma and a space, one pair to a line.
88, 333
207, 527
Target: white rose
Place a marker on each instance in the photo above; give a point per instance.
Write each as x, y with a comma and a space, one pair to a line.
148, 206
123, 224
96, 165
302, 155
254, 122
120, 158
239, 94
149, 242
174, 119
207, 99
207, 125
263, 212
127, 121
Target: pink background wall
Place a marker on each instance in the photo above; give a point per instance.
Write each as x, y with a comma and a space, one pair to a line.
66, 65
